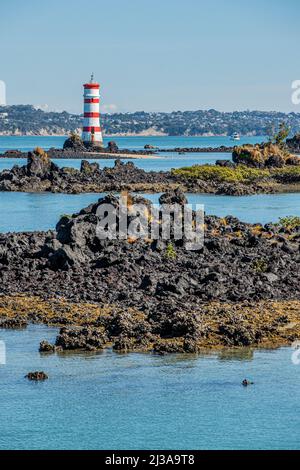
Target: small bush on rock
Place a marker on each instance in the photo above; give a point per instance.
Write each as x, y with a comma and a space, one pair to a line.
170, 251
289, 222
260, 265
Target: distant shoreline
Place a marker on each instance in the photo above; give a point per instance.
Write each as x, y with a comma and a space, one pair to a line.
129, 134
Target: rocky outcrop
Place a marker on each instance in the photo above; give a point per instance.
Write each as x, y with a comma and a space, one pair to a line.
41, 174
268, 155
13, 154
37, 376
88, 339
294, 143
225, 163
89, 168
112, 147
74, 143
39, 164
149, 147
246, 382
234, 248
16, 322
162, 296
46, 347
173, 197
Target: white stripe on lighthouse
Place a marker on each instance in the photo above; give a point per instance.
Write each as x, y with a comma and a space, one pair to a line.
91, 122
91, 107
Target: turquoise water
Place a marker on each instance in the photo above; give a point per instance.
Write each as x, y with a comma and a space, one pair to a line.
26, 143
142, 401
28, 211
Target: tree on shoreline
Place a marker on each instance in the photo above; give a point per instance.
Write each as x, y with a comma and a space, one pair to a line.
279, 137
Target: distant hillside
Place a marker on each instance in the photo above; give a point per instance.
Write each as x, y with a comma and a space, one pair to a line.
25, 119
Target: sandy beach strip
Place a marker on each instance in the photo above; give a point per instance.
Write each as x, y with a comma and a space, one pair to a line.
110, 156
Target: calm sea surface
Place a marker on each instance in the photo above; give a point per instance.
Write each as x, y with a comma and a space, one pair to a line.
28, 211
134, 401
26, 143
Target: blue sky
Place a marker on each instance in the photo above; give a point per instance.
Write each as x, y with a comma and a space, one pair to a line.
158, 55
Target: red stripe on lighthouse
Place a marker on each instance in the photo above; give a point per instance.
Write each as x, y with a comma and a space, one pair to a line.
91, 86
91, 100
92, 115
89, 129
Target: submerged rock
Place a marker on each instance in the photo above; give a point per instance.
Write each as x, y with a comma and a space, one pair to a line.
46, 347
37, 376
246, 382
149, 147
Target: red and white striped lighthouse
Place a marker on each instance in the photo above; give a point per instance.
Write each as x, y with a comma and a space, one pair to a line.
91, 132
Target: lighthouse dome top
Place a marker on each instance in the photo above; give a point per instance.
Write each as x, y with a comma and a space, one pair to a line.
92, 83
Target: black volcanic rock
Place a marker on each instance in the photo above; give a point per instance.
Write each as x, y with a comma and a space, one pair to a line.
40, 174
13, 323
89, 168
112, 147
225, 163
294, 143
74, 143
153, 296
293, 160
37, 376
173, 197
13, 154
275, 161
238, 261
46, 347
85, 338
39, 164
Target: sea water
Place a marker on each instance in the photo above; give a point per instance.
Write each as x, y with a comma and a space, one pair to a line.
144, 401
26, 143
30, 211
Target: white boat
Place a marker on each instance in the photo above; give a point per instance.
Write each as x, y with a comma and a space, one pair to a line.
235, 136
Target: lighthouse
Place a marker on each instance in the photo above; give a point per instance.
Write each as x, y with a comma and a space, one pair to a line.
91, 131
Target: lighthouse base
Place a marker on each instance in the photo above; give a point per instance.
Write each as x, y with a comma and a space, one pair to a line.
93, 139
93, 145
